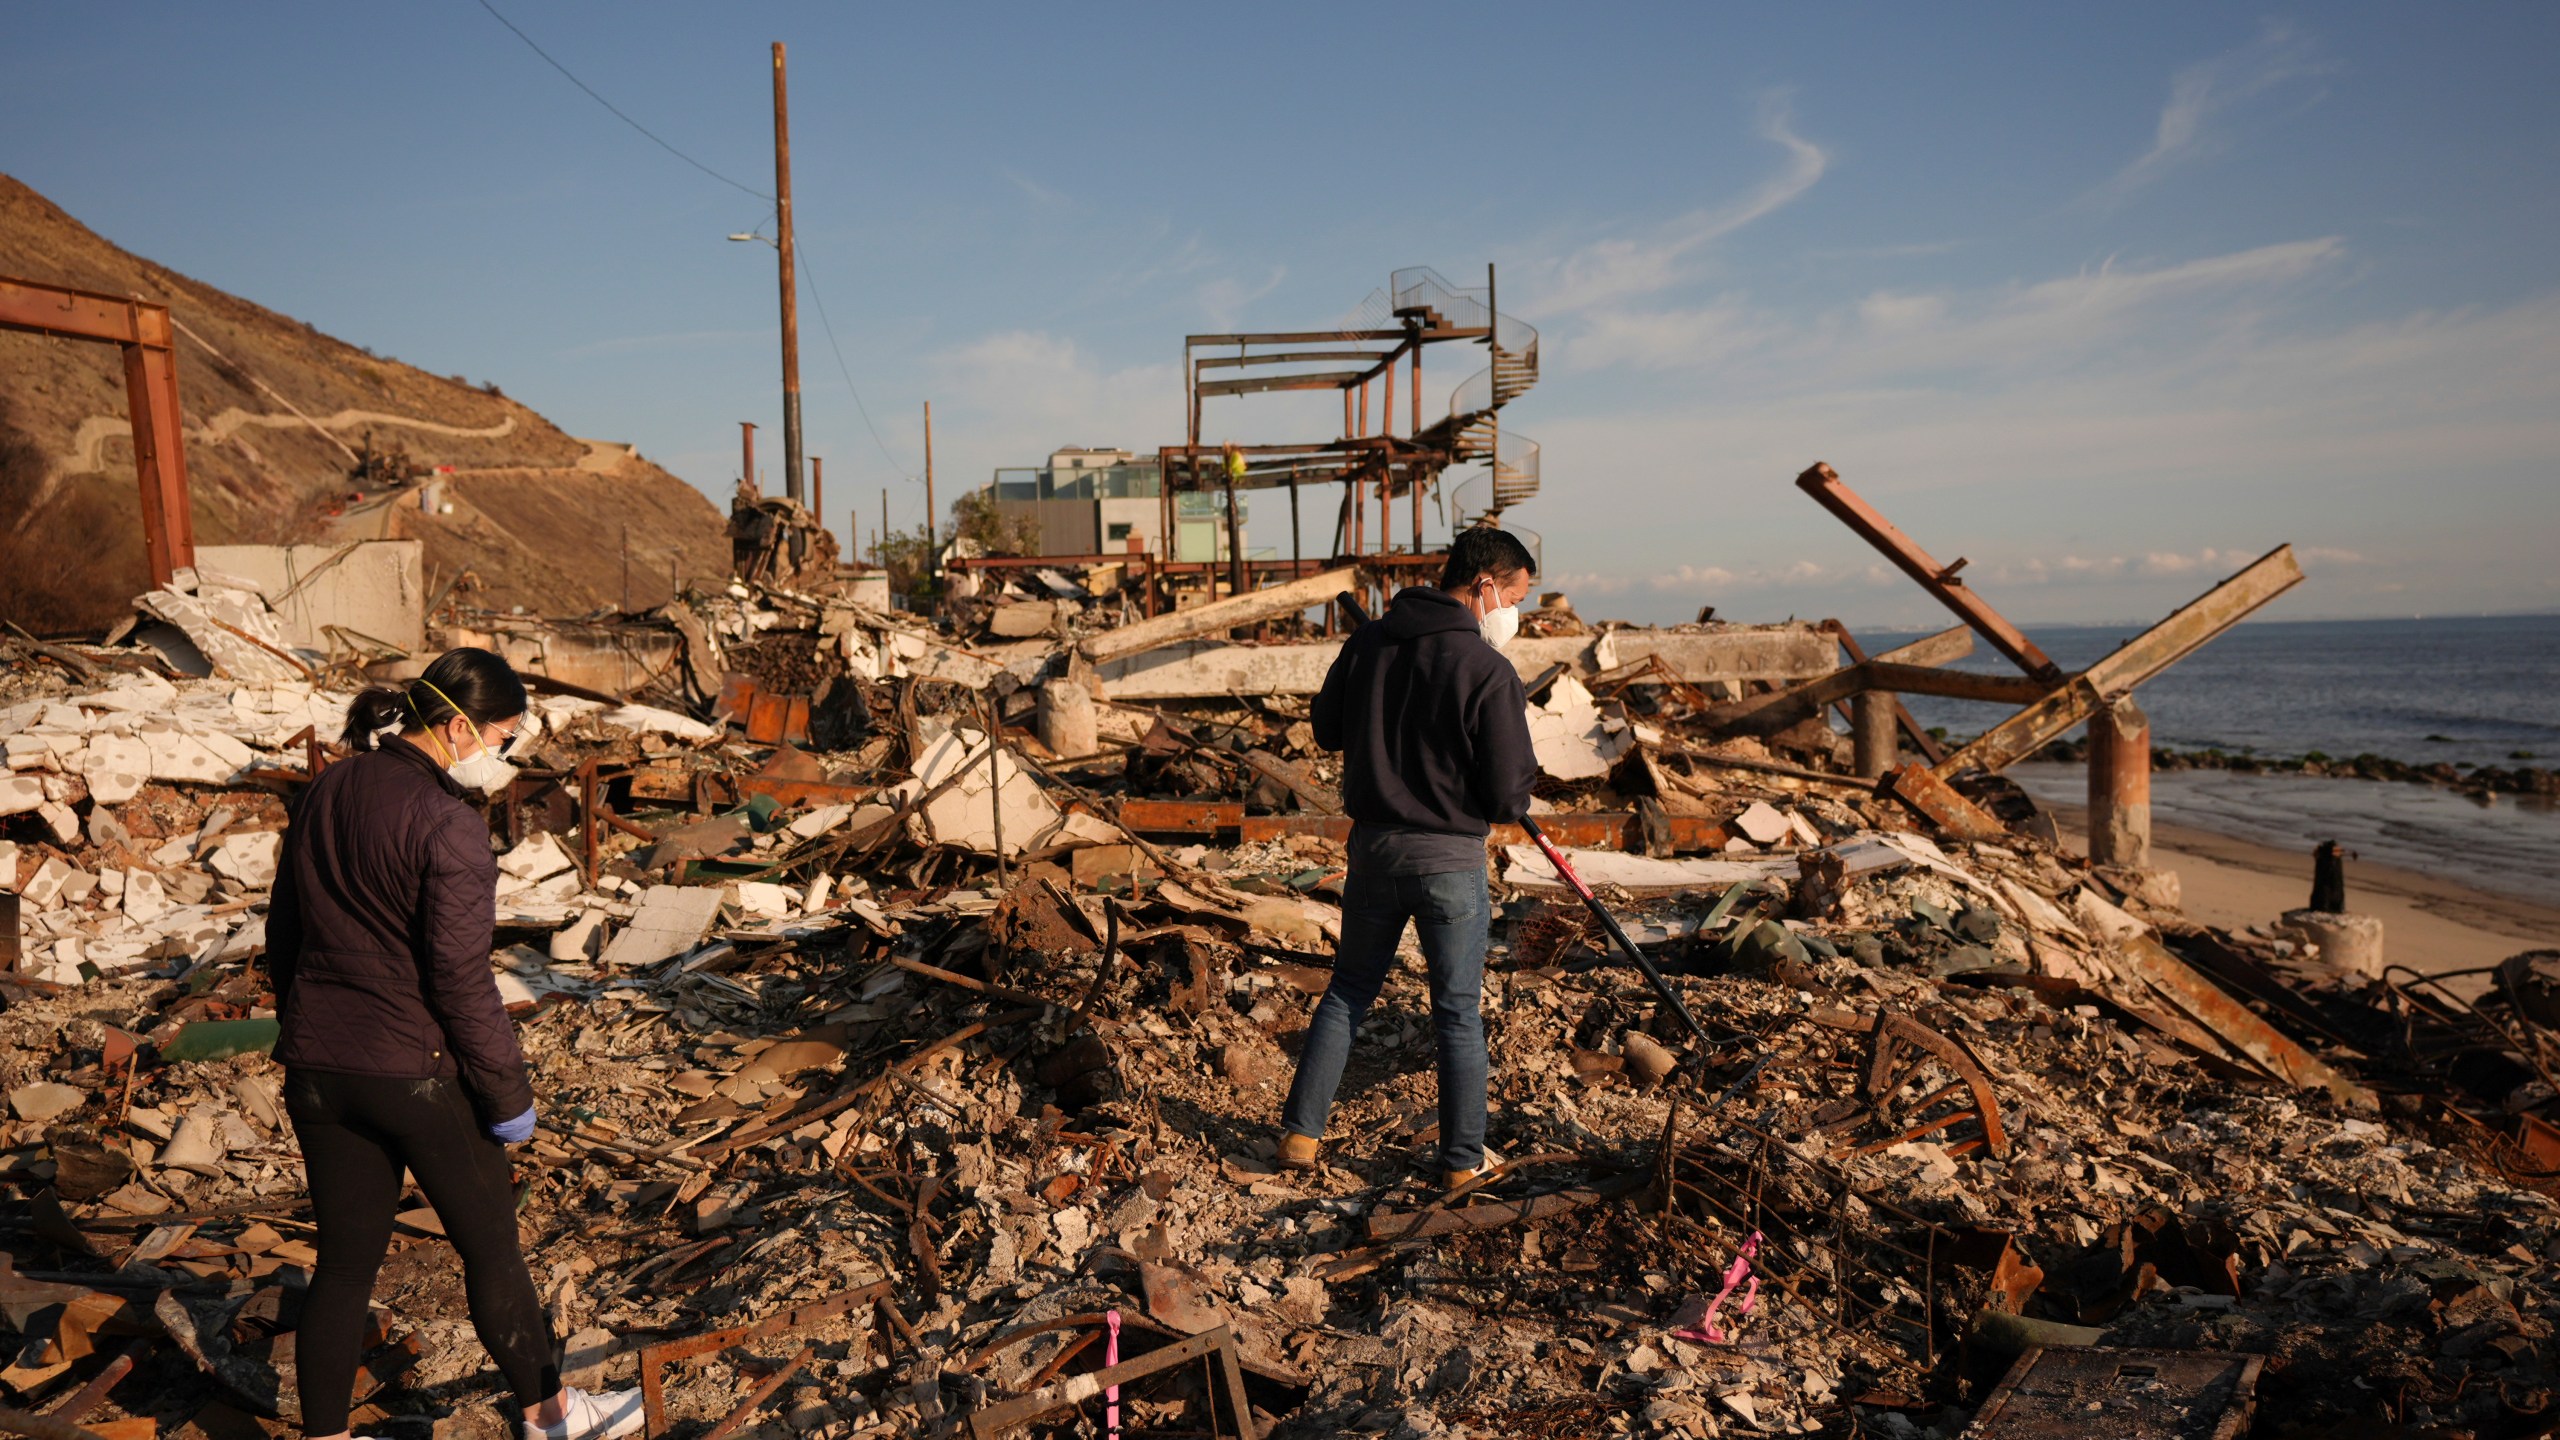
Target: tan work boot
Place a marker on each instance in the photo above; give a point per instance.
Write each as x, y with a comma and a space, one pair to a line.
1460, 1179
1297, 1152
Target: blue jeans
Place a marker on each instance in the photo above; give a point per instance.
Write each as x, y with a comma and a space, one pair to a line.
1452, 913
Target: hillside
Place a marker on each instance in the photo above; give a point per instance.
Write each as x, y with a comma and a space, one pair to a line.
276, 414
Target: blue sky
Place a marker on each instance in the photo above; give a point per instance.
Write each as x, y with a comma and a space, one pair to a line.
2106, 301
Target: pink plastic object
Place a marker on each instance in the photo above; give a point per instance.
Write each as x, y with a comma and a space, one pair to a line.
1706, 1331
1111, 1357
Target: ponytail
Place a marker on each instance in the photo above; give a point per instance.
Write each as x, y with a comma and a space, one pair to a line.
372, 712
465, 681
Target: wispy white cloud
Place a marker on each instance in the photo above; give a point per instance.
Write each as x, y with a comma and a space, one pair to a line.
1707, 582
2156, 407
1038, 193
2031, 326
1222, 300
1618, 268
2203, 94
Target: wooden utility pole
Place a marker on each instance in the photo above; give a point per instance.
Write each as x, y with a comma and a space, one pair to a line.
818, 490
932, 550
880, 547
790, 293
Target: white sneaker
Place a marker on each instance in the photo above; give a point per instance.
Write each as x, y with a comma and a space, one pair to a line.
606, 1415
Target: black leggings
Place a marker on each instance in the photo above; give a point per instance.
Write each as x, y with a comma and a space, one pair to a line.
358, 1132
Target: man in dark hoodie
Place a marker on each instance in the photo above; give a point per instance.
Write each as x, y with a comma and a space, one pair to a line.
1434, 735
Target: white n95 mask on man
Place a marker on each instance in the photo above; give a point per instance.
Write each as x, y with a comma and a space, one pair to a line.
1498, 626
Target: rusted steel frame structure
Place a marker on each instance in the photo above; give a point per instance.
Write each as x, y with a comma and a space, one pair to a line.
1935, 650
2134, 662
2120, 737
1824, 485
1363, 454
142, 331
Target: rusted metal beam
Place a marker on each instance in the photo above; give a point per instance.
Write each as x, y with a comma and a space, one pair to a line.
1950, 684
1944, 648
1256, 384
144, 333
1767, 714
1916, 786
2136, 661
94, 1394
1330, 337
1824, 485
763, 1392
1285, 357
70, 314
2270, 1049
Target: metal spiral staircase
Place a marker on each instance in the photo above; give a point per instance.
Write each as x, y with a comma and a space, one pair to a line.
1472, 432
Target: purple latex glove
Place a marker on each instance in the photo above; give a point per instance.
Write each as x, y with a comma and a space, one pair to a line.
516, 1131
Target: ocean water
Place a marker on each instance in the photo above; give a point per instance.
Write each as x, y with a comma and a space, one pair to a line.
2477, 689
2509, 844
2483, 690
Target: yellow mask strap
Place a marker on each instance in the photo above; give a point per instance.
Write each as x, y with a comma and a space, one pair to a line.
450, 759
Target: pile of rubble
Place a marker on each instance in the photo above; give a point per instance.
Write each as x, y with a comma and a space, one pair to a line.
910, 1020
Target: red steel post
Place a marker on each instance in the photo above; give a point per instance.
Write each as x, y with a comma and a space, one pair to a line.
1823, 484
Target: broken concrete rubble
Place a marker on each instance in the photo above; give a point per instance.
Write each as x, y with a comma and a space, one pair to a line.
888, 1077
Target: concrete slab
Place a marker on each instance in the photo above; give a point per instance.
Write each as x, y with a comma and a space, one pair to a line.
115, 767
1206, 669
372, 587
670, 920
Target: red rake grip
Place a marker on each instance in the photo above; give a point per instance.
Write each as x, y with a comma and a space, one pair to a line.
1563, 866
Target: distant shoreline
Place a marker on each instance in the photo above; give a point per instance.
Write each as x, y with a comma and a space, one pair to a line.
2470, 779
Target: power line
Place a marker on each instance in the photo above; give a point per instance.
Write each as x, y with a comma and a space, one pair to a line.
810, 274
823, 322
617, 112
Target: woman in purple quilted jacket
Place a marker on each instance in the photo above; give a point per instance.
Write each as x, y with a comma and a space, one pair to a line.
398, 1053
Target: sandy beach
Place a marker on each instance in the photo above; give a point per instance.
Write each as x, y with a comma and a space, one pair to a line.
2430, 923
